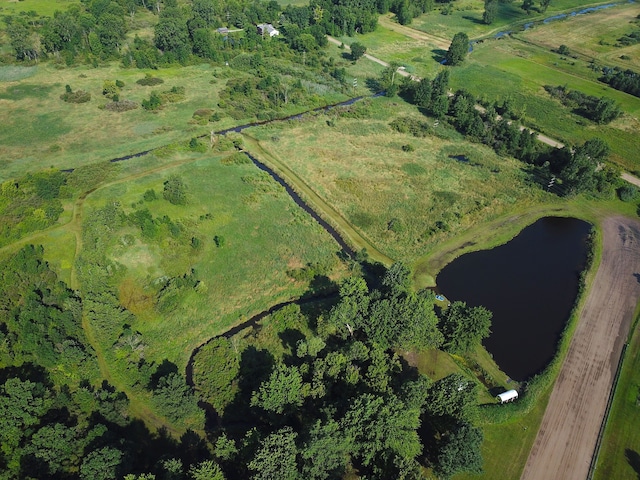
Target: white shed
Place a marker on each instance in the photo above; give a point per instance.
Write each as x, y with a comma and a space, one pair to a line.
508, 396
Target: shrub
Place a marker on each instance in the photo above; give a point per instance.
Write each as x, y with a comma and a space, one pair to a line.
197, 146
219, 241
628, 193
119, 83
202, 113
175, 191
79, 96
148, 80
110, 89
149, 195
121, 106
237, 158
407, 148
154, 102
174, 95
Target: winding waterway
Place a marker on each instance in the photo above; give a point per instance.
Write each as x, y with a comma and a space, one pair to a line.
530, 284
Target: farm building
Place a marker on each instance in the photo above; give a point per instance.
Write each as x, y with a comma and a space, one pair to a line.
508, 396
267, 29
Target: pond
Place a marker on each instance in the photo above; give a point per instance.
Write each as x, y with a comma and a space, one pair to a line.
530, 284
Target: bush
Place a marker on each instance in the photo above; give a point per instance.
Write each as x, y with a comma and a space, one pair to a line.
110, 89
237, 158
407, 148
174, 95
121, 106
79, 96
202, 113
149, 81
175, 191
154, 102
628, 193
219, 241
150, 195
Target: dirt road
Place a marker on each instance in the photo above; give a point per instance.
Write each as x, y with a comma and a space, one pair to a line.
567, 437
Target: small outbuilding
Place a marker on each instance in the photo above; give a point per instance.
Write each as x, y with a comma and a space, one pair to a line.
508, 396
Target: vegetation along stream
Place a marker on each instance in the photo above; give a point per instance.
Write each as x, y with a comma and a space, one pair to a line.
530, 284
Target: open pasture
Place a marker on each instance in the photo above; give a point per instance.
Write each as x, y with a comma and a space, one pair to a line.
40, 130
419, 56
42, 7
466, 16
405, 202
594, 35
264, 234
498, 69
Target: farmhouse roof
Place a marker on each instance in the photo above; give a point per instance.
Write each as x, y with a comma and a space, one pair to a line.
268, 29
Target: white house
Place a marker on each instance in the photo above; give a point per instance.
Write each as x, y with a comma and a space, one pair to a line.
267, 29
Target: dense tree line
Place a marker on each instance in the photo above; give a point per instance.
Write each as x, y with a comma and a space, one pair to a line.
624, 80
601, 110
580, 169
342, 400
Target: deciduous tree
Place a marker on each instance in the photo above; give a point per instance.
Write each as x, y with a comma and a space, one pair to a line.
458, 49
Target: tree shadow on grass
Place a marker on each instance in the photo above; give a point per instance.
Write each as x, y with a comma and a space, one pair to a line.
373, 84
476, 20
634, 460
439, 55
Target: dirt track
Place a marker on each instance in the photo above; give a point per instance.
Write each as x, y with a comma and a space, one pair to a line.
566, 440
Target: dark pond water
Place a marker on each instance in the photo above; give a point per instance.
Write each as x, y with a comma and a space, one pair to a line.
530, 284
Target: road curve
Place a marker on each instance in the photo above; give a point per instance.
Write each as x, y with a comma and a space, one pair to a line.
568, 433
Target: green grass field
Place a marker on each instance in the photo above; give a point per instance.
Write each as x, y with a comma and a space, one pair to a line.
620, 451
594, 35
44, 8
41, 130
524, 70
265, 234
466, 16
405, 203
419, 57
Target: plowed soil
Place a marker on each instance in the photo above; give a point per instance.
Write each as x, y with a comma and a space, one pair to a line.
567, 437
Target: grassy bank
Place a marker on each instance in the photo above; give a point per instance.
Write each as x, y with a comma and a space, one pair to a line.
619, 455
